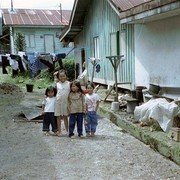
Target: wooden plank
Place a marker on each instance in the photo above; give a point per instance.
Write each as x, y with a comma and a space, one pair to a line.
109, 92
130, 99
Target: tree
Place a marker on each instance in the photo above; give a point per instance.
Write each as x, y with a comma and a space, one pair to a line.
5, 40
20, 42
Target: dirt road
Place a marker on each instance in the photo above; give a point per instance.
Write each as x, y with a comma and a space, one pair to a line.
25, 153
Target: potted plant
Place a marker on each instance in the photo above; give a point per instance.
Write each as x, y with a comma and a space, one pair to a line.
29, 85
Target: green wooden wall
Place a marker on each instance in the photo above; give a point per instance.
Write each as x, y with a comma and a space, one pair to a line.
101, 21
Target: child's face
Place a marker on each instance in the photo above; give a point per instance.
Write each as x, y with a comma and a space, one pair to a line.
62, 77
50, 94
74, 88
90, 89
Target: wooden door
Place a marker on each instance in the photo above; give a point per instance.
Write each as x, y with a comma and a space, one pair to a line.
49, 44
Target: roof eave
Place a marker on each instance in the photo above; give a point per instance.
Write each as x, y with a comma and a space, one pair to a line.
34, 26
80, 9
62, 36
144, 7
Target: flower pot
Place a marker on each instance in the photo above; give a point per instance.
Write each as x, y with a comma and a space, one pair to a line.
29, 87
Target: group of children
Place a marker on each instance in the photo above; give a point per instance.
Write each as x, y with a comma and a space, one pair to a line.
67, 99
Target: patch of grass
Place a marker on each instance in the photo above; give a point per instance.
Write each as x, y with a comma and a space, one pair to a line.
43, 80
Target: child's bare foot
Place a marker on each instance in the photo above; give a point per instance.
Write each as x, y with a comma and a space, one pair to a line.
81, 136
58, 134
88, 134
92, 134
72, 137
47, 133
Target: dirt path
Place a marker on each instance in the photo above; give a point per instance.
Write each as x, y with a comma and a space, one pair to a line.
25, 153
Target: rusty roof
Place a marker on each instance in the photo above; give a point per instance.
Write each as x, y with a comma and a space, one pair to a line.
78, 15
125, 5
127, 8
124, 8
35, 17
80, 9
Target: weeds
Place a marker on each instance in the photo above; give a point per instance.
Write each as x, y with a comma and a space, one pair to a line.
43, 80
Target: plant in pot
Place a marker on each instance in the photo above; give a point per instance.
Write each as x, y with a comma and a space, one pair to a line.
30, 85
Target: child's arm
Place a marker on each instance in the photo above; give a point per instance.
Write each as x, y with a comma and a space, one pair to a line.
69, 104
55, 77
97, 102
97, 105
43, 106
84, 105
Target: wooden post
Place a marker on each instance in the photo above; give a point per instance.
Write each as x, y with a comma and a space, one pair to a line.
115, 61
94, 62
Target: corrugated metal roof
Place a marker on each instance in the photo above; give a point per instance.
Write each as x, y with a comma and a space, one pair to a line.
124, 8
124, 5
35, 17
79, 12
81, 9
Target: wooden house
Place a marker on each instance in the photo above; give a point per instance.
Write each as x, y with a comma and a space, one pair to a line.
41, 28
145, 32
156, 43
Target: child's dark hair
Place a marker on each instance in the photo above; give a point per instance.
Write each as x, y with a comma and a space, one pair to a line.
90, 84
76, 83
61, 71
49, 89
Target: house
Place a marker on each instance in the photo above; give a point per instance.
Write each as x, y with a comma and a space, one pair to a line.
41, 28
147, 33
156, 39
94, 29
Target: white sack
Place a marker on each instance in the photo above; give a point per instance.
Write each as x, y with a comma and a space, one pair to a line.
158, 109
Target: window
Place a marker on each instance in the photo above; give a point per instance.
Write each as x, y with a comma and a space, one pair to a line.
123, 40
30, 40
96, 47
114, 43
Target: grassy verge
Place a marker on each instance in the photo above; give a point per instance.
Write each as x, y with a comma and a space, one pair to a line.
43, 80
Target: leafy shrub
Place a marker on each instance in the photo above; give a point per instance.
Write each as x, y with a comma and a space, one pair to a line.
20, 42
45, 74
69, 66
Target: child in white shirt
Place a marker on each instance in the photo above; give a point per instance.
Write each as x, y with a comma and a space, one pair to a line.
48, 107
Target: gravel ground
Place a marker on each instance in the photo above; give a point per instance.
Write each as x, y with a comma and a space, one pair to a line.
26, 154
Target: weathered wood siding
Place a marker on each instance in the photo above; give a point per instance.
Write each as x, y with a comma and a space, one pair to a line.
39, 38
101, 21
127, 69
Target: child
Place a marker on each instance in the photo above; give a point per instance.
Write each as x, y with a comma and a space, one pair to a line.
61, 108
48, 107
92, 101
77, 108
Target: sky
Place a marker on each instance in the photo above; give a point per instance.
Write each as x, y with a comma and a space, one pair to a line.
37, 4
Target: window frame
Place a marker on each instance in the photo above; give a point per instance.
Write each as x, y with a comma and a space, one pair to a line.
30, 40
96, 47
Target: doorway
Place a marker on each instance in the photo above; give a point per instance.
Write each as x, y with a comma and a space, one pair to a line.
49, 43
83, 60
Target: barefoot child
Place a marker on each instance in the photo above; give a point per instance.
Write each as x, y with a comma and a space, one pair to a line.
92, 101
61, 109
77, 108
48, 107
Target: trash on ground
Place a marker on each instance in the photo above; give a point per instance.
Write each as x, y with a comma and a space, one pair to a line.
31, 114
159, 110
